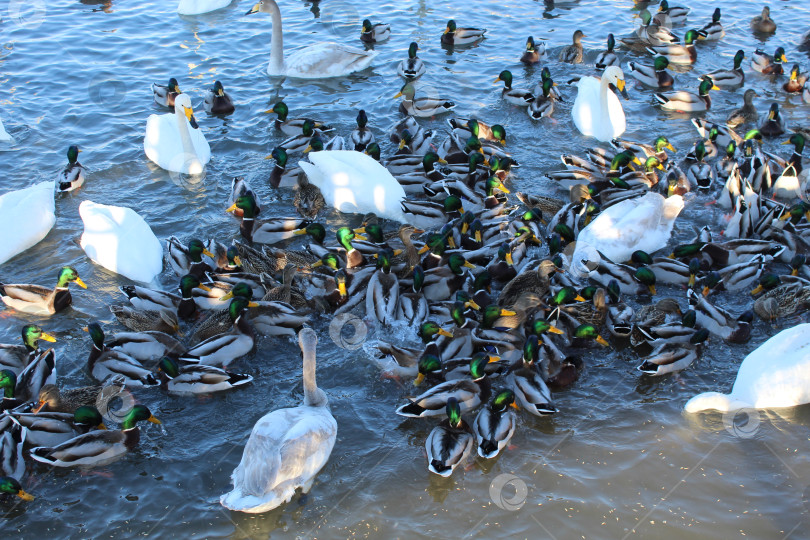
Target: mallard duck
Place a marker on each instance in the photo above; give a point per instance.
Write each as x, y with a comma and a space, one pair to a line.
362, 136
763, 23
769, 65
8, 385
713, 31
16, 357
597, 112
217, 101
52, 399
139, 321
308, 199
269, 231
303, 141
374, 33
515, 96
293, 126
468, 393
449, 443
317, 61
104, 362
443, 281
543, 105
226, 259
774, 124
287, 447
525, 379
729, 77
72, 176
454, 35
54, 428
183, 305
382, 293
146, 346
656, 75
608, 57
412, 307
782, 301
674, 14
11, 486
39, 372
164, 95
97, 447
745, 114
797, 80
700, 173
535, 281
12, 440
678, 54
719, 321
38, 300
412, 67
174, 142
682, 101
572, 54
773, 376
674, 272
533, 53
188, 259
422, 107
222, 349
652, 31
672, 357
197, 378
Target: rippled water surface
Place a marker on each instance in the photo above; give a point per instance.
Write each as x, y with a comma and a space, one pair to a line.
619, 460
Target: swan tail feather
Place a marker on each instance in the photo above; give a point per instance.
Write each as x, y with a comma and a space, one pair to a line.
714, 401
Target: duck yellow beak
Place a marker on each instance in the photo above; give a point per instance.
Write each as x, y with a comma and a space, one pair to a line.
514, 406
424, 249
509, 259
206, 252
308, 149
399, 94
758, 290
468, 264
237, 260
579, 298
401, 144
80, 283
342, 289
101, 426
669, 145
420, 378
445, 333
47, 337
497, 79
231, 208
206, 288
493, 358
786, 142
473, 304
555, 330
228, 296
39, 407
652, 289
794, 272
299, 231
601, 341
254, 9
507, 313
443, 161
25, 496
360, 238
783, 58
253, 304
154, 420
446, 30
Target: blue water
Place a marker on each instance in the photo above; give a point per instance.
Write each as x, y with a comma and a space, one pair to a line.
620, 459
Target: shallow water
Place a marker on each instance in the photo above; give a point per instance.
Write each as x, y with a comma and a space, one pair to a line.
619, 460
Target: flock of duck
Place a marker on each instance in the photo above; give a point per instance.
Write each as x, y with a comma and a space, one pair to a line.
502, 293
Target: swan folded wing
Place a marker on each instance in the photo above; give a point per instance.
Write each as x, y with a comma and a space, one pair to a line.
327, 59
26, 217
586, 105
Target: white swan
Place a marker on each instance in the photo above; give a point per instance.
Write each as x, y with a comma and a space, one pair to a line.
4, 135
775, 375
318, 61
120, 240
597, 111
173, 140
287, 447
197, 7
354, 182
26, 217
643, 223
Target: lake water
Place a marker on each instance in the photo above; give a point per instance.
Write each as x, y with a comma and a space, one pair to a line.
619, 460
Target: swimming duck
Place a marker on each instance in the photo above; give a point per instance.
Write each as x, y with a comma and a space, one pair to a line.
12, 440
468, 393
597, 112
674, 14
197, 378
774, 123
72, 177
745, 114
796, 82
38, 300
53, 399
782, 301
449, 443
382, 294
763, 23
39, 372
281, 175
154, 300
672, 357
16, 357
533, 53
412, 67
104, 362
652, 31
174, 141
422, 107
713, 31
54, 428
655, 75
543, 105
268, 231
682, 101
139, 321
317, 61
11, 486
678, 54
222, 349
97, 447
515, 96
164, 95
732, 77
362, 136
608, 57
186, 260
287, 447
495, 424
719, 321
773, 376
217, 101
572, 54
374, 33
526, 381
454, 35
293, 126
768, 65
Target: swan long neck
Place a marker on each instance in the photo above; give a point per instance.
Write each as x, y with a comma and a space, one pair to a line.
313, 396
603, 97
185, 136
277, 39
715, 401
